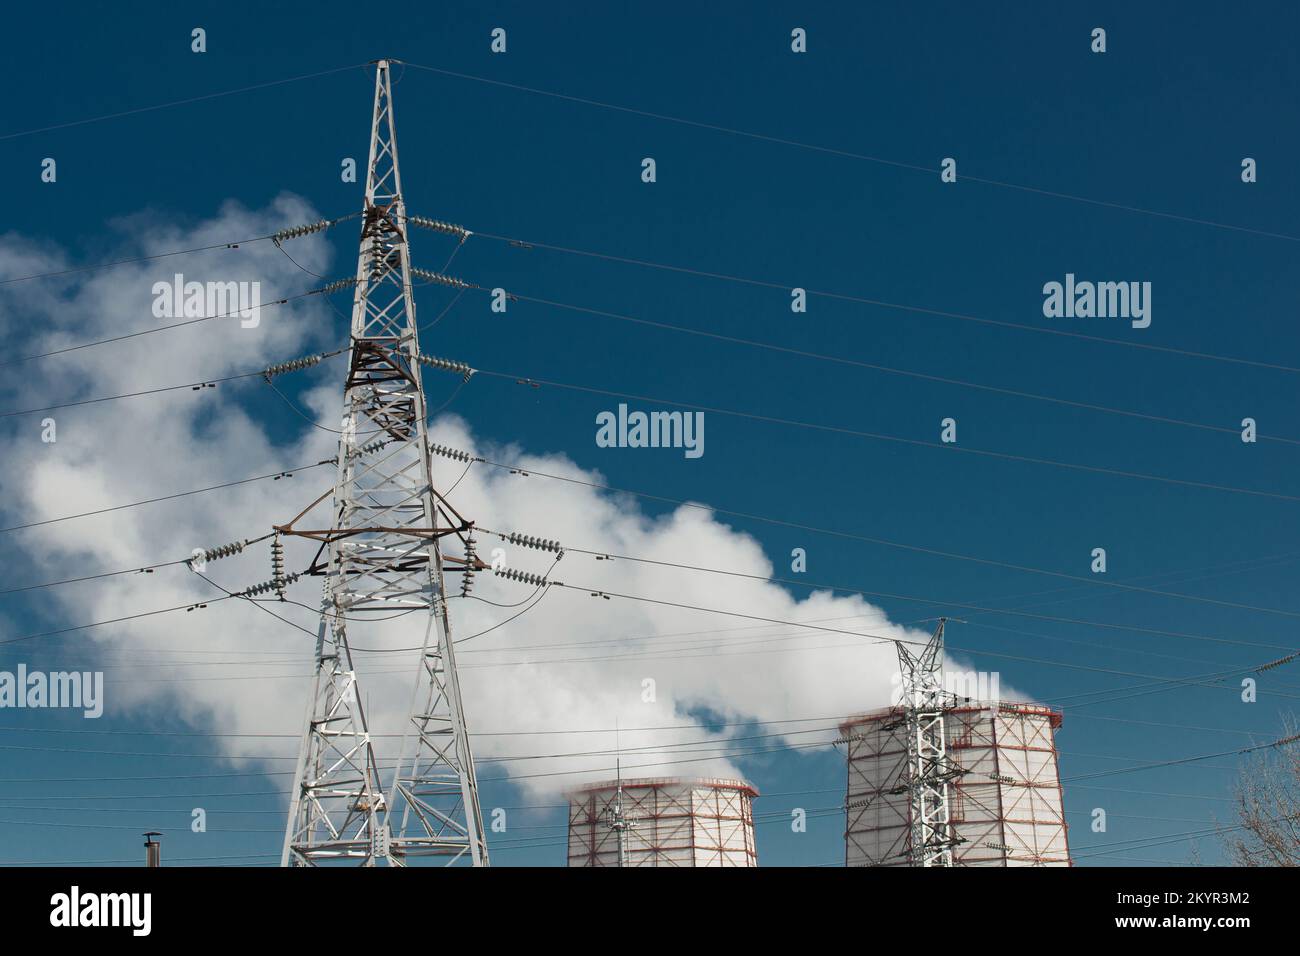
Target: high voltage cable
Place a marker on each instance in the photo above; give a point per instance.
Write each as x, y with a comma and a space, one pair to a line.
1195, 680
1060, 574
718, 746
899, 439
192, 386
1273, 745
659, 637
1126, 650
117, 620
888, 369
880, 303
676, 651
93, 577
478, 733
846, 154
719, 511
151, 331
680, 502
1189, 681
1160, 684
275, 476
841, 360
875, 638
183, 102
233, 244
128, 261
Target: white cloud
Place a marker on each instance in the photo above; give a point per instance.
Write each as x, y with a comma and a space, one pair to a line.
574, 664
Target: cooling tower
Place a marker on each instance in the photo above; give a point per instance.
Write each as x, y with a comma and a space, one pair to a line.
668, 822
1005, 811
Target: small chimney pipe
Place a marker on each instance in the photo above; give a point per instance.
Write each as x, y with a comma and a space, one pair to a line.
152, 849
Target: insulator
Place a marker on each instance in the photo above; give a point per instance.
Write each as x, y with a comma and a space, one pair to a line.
528, 541
281, 368
439, 278
471, 559
448, 365
338, 285
523, 577
265, 586
453, 453
225, 551
298, 231
277, 565
1278, 663
369, 448
438, 225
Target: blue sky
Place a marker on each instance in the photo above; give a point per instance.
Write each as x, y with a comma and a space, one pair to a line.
1161, 122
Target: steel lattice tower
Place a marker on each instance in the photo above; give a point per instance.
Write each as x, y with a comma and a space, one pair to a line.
928, 768
382, 554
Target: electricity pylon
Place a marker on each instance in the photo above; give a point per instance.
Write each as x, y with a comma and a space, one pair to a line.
929, 769
382, 554
618, 820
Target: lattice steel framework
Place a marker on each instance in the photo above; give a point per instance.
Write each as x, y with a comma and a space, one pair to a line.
928, 769
383, 554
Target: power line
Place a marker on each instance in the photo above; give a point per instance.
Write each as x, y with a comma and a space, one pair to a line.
274, 476
151, 331
145, 569
875, 638
1281, 742
198, 386
908, 373
899, 306
846, 154
1060, 574
183, 102
859, 537
193, 606
899, 439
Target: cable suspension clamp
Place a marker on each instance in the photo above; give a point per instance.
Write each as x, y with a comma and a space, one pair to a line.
447, 365
437, 225
441, 279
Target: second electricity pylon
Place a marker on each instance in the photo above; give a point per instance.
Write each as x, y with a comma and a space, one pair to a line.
929, 769
382, 556
618, 820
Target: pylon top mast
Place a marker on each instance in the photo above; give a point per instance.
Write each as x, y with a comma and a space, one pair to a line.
929, 769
